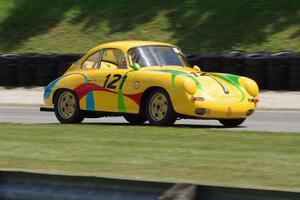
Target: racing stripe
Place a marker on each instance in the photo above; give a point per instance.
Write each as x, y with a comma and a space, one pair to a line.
233, 80
175, 73
50, 87
87, 89
90, 102
121, 103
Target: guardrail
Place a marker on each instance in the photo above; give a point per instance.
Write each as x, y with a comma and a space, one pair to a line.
33, 186
273, 71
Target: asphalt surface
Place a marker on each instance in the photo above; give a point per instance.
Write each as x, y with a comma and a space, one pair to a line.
275, 121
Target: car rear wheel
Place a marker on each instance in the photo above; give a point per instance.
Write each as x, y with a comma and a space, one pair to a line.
231, 122
159, 109
135, 119
66, 107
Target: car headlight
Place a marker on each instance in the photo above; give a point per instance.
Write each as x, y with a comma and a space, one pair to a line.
190, 86
250, 86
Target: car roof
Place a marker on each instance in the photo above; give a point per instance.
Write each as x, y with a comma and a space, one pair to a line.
128, 44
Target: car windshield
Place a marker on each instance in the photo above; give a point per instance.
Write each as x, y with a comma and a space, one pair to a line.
147, 56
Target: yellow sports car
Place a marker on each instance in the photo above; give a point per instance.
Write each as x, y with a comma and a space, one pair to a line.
144, 80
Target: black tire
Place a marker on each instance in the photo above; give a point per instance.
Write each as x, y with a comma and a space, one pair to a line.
168, 117
231, 122
76, 117
135, 119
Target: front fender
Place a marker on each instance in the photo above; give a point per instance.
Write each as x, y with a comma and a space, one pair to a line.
68, 81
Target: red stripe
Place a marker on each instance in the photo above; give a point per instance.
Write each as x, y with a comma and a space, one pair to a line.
86, 88
135, 97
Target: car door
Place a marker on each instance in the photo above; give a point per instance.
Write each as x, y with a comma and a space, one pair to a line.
105, 80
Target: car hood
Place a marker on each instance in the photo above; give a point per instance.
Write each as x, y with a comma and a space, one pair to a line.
210, 84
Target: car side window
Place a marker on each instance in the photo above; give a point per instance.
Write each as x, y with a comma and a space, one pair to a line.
113, 59
93, 61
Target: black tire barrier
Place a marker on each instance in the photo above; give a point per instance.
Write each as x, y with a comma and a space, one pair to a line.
294, 72
234, 62
194, 59
33, 69
278, 70
26, 68
212, 62
65, 61
2, 61
46, 69
256, 67
8, 69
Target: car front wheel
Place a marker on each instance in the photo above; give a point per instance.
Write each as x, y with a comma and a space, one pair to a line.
159, 109
66, 107
231, 122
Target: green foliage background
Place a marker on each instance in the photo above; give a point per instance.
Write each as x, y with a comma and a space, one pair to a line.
195, 25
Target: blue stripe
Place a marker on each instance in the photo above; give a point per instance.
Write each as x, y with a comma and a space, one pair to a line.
90, 103
53, 83
49, 88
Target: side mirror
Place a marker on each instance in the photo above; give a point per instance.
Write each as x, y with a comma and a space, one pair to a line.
136, 66
197, 68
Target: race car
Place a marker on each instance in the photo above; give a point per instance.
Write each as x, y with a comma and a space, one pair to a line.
147, 81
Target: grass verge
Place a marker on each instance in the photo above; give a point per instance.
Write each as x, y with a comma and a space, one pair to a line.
181, 154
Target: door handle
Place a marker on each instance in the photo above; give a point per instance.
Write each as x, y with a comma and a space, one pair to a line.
91, 80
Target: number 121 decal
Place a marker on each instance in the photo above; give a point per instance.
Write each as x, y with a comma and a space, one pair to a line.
112, 83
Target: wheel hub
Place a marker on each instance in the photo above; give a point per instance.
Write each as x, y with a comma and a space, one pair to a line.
66, 105
158, 106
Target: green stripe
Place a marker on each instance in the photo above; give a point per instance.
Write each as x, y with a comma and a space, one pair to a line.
175, 73
233, 80
121, 103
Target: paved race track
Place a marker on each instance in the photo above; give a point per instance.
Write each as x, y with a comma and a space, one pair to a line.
279, 121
